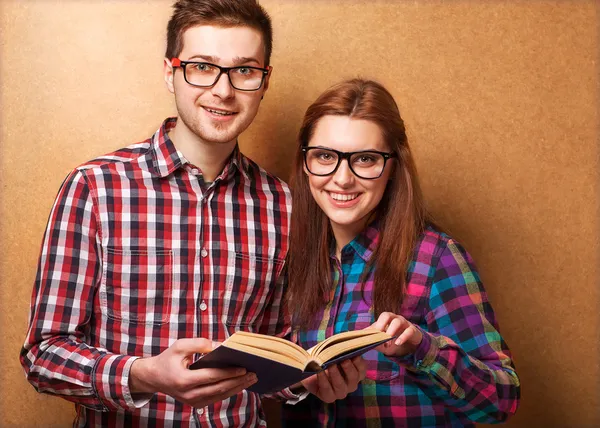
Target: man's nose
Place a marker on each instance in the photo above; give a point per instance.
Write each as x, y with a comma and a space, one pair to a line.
222, 88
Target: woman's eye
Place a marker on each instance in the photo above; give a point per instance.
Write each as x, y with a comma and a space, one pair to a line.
365, 159
244, 71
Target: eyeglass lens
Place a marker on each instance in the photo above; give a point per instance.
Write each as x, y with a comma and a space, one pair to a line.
203, 74
363, 164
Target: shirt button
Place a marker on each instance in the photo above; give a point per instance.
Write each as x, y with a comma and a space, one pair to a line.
203, 307
200, 411
203, 252
195, 171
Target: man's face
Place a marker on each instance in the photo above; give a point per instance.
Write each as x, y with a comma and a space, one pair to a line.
219, 114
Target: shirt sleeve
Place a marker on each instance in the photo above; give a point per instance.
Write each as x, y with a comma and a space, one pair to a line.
463, 352
56, 358
276, 320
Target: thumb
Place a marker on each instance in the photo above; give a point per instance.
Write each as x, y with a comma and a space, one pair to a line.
193, 346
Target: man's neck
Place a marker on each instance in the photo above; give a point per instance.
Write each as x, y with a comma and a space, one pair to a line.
209, 157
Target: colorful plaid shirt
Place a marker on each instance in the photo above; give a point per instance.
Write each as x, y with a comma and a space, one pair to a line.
462, 371
139, 252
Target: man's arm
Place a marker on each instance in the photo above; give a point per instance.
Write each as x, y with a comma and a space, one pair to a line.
57, 357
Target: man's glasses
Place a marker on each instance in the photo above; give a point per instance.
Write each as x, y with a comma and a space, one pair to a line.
367, 164
205, 75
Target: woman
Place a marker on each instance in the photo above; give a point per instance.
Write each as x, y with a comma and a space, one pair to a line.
364, 253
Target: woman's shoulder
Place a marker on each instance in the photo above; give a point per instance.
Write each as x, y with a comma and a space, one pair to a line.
432, 242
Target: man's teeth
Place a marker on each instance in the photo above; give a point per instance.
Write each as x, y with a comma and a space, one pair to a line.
219, 112
339, 197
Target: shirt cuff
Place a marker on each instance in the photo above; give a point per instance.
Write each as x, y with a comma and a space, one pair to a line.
111, 383
424, 355
292, 397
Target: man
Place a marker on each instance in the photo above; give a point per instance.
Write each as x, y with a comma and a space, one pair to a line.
166, 246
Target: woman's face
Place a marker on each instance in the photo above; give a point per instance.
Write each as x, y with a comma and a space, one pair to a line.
346, 199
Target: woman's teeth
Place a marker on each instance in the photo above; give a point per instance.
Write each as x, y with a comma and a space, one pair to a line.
344, 198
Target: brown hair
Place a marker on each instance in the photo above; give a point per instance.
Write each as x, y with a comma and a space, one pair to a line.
401, 212
223, 13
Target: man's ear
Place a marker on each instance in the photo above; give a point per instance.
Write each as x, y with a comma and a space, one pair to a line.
168, 72
267, 79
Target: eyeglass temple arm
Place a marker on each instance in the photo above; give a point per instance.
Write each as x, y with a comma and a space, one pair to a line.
175, 62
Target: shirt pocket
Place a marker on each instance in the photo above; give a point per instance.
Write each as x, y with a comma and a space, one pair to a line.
137, 285
379, 367
251, 277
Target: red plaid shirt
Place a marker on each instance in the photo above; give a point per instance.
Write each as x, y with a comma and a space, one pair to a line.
139, 252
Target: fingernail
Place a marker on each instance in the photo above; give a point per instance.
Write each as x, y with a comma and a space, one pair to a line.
251, 378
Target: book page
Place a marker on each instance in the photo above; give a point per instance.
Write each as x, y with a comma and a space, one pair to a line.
271, 344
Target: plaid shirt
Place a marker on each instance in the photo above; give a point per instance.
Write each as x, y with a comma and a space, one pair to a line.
139, 252
461, 373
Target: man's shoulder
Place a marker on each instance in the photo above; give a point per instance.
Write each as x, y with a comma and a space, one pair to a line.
123, 155
262, 178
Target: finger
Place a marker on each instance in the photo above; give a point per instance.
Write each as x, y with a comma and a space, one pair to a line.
311, 384
351, 375
212, 393
361, 366
407, 335
397, 326
325, 391
337, 381
382, 321
212, 376
196, 345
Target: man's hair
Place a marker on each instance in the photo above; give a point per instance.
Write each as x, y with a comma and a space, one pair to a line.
221, 13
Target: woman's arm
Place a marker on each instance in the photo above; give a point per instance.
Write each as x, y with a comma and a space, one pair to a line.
462, 351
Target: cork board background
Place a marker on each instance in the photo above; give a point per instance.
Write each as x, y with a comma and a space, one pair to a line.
501, 103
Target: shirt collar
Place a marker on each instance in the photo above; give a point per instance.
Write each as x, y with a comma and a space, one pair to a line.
166, 158
365, 243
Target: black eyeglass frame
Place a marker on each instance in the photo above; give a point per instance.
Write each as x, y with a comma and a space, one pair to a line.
346, 155
177, 63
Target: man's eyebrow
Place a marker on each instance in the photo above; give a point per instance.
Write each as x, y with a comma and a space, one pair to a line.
236, 61
207, 58
244, 60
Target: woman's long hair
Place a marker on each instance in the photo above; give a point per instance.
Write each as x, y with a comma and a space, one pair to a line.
401, 213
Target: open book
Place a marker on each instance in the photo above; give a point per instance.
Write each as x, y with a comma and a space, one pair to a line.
279, 363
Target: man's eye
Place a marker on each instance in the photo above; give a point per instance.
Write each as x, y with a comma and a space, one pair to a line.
244, 71
203, 67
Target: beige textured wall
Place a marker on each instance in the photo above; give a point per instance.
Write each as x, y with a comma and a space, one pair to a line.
500, 99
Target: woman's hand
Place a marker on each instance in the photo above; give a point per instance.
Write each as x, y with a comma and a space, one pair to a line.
337, 381
409, 336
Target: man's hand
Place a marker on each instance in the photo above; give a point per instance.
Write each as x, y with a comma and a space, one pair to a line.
168, 373
337, 381
409, 336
